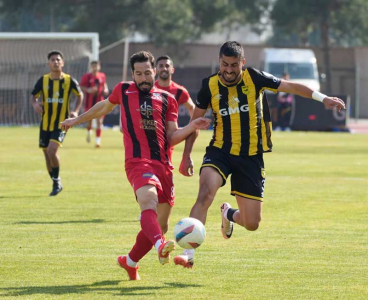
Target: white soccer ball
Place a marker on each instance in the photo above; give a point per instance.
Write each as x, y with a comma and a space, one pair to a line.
189, 233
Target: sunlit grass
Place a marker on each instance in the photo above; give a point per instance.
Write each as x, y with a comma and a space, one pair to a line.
312, 243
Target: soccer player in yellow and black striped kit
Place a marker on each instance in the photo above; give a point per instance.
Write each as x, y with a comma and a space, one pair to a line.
55, 90
242, 133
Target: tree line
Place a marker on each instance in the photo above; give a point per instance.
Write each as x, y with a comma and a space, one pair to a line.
320, 23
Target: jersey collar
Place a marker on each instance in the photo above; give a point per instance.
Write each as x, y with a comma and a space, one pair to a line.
231, 85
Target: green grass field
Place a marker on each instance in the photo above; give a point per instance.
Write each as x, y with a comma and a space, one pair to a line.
312, 242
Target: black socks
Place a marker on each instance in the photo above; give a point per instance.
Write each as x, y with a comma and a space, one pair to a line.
230, 214
55, 173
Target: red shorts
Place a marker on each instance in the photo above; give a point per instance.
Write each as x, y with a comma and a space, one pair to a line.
141, 172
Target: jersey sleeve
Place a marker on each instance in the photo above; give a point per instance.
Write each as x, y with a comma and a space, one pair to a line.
204, 95
75, 87
184, 96
172, 109
84, 80
37, 90
115, 96
264, 80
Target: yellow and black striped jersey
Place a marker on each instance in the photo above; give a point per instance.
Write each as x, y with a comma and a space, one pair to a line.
242, 122
56, 95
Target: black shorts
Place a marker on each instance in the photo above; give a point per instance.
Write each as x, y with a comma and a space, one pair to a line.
56, 136
248, 174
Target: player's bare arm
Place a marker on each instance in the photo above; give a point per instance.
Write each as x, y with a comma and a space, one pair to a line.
78, 106
190, 106
37, 106
176, 135
98, 110
186, 165
106, 90
306, 92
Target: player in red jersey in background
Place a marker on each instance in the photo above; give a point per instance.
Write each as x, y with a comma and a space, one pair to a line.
149, 124
165, 70
95, 89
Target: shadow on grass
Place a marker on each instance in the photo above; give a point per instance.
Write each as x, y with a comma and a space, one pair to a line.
97, 287
60, 222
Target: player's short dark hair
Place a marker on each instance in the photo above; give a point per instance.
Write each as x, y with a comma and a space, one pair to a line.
55, 52
94, 62
232, 49
142, 56
164, 57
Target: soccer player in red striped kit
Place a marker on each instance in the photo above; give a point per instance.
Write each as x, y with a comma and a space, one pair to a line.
95, 89
165, 70
149, 124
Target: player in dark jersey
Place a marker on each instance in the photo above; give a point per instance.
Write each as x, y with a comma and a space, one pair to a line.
242, 133
149, 124
55, 89
95, 89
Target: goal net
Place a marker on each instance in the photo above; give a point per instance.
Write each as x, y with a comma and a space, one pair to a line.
23, 61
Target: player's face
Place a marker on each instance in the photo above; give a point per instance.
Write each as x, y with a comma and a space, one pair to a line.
165, 69
95, 68
55, 63
230, 69
144, 76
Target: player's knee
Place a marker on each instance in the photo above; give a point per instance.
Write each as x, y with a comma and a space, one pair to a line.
205, 197
51, 151
146, 204
252, 225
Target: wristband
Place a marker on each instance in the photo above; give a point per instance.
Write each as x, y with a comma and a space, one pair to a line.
318, 96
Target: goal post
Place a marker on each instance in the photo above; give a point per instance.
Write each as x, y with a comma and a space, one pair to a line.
23, 61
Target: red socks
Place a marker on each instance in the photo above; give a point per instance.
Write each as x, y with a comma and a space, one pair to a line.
150, 226
147, 237
141, 247
98, 132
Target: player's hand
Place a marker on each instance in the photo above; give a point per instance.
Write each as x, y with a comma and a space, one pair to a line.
37, 107
334, 103
68, 123
186, 166
201, 123
92, 90
73, 114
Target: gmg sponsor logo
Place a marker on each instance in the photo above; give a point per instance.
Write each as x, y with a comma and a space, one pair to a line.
55, 100
234, 110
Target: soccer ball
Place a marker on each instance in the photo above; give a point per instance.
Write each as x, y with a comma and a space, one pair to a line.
189, 233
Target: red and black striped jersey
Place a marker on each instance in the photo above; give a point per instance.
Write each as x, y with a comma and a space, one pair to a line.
89, 80
181, 94
144, 117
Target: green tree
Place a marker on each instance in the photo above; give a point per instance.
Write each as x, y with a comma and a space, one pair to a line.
337, 22
164, 22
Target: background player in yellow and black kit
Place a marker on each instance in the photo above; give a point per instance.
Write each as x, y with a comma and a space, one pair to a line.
55, 90
242, 133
